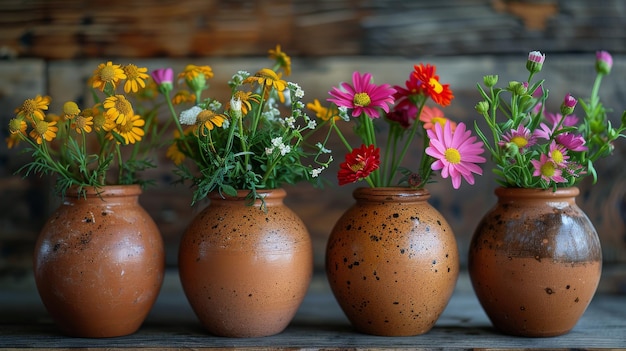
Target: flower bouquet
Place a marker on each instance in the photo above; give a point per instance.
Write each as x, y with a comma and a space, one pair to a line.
256, 140
536, 148
447, 147
92, 146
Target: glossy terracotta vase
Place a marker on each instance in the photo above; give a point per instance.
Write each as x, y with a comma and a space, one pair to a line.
245, 270
99, 262
535, 261
392, 262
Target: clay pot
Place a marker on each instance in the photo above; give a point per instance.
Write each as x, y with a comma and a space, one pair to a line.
99, 262
535, 261
245, 270
392, 262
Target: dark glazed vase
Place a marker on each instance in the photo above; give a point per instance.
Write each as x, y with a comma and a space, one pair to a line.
99, 262
535, 261
246, 270
392, 262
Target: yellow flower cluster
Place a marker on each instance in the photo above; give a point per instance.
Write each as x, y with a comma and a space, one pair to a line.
115, 115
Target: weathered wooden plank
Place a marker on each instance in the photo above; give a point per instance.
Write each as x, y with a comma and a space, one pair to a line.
319, 324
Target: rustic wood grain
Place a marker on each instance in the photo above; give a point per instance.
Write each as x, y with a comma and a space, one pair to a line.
319, 324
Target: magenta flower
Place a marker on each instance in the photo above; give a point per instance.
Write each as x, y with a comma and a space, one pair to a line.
546, 132
164, 78
522, 137
568, 104
456, 154
572, 142
547, 170
362, 96
604, 62
403, 113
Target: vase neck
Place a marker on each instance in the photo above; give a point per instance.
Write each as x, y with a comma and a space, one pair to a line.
270, 197
390, 194
540, 195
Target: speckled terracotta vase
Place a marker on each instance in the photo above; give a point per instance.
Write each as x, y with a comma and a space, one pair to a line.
535, 261
99, 263
392, 262
245, 271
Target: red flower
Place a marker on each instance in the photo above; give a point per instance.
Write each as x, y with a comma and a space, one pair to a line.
359, 164
439, 93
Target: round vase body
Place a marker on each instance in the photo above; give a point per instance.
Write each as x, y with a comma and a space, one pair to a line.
535, 261
392, 262
245, 269
99, 262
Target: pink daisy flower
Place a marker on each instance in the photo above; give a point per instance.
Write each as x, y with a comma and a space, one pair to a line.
522, 137
571, 141
558, 154
547, 170
362, 96
456, 154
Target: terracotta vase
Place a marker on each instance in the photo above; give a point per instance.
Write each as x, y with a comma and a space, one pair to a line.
535, 261
245, 270
99, 262
392, 262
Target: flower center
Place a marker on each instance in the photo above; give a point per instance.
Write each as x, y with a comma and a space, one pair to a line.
204, 116
70, 108
439, 120
131, 71
557, 156
123, 106
127, 127
453, 155
359, 166
437, 87
29, 106
547, 169
362, 99
41, 127
81, 122
107, 74
520, 141
15, 125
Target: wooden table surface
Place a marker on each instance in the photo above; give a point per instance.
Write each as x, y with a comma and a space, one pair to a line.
319, 324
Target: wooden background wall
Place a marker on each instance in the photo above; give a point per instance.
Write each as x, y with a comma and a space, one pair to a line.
50, 47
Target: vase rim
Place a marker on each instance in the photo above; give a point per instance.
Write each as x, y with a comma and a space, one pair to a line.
393, 193
105, 191
242, 194
567, 192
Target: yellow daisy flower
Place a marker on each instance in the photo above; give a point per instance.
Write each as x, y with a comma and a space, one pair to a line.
17, 126
246, 98
33, 108
70, 110
118, 108
208, 119
44, 130
192, 71
268, 78
107, 73
173, 152
183, 96
322, 112
282, 59
135, 78
82, 123
132, 130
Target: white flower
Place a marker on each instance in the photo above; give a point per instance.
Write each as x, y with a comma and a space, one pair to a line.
316, 172
290, 121
312, 124
322, 148
188, 117
297, 91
